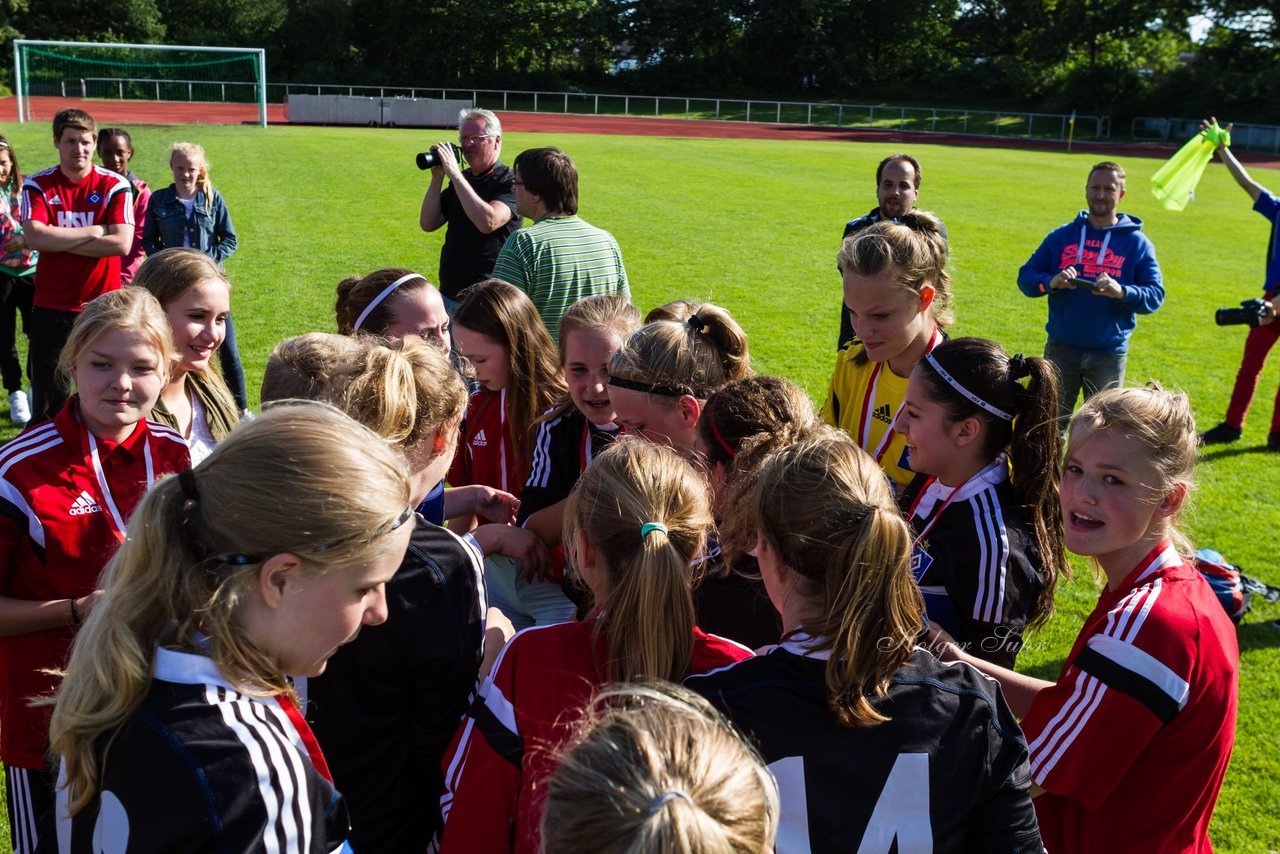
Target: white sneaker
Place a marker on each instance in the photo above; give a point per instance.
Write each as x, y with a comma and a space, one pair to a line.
19, 410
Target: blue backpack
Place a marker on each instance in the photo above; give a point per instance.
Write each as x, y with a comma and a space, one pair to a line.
1234, 589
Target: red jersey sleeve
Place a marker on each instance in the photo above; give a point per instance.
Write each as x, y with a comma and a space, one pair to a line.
1128, 678
483, 769
119, 207
34, 206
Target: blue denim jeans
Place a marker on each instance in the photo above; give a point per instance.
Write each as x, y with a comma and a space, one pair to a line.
232, 372
1078, 370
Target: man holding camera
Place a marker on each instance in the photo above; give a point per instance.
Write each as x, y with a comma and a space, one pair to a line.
1264, 332
1099, 272
897, 190
560, 258
479, 205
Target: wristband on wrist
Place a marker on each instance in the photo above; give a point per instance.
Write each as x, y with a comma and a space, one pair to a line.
75, 613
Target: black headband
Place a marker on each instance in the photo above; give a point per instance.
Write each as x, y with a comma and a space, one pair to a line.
657, 388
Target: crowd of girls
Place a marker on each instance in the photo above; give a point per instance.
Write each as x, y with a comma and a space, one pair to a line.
444, 589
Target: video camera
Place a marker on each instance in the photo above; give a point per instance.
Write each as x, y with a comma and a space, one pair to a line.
1251, 312
429, 158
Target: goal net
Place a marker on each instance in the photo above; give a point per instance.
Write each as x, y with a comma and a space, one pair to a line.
154, 84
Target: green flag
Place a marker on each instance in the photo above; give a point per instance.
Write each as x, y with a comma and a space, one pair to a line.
1174, 184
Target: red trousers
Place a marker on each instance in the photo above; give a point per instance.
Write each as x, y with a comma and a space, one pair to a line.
1256, 348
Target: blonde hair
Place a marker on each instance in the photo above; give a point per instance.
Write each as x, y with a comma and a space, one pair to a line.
307, 367
503, 313
825, 508
1161, 422
649, 620
404, 390
915, 255
193, 151
656, 768
278, 484
607, 313
697, 355
130, 308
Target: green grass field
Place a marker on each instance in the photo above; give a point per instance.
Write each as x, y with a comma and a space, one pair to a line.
754, 226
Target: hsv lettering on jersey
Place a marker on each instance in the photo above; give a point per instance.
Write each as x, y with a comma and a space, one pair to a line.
74, 219
479, 440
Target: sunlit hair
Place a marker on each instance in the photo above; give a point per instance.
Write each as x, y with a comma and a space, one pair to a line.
15, 173
404, 389
677, 310
72, 118
1109, 165
504, 314
195, 153
492, 125
608, 314
549, 174
131, 309
699, 354
647, 601
656, 768
280, 483
356, 292
1033, 439
825, 508
914, 254
740, 426
308, 367
1161, 422
168, 273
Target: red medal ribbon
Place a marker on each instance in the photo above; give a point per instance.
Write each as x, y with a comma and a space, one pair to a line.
93, 462
308, 737
868, 402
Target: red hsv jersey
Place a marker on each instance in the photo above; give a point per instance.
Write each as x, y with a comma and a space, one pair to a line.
526, 709
1133, 741
56, 534
66, 281
491, 450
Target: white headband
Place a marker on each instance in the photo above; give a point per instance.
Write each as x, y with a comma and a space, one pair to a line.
386, 292
951, 381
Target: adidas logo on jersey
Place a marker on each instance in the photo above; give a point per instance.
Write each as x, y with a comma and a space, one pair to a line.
884, 413
56, 200
479, 441
84, 505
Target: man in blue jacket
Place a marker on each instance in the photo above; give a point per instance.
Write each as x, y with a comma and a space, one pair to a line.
1099, 272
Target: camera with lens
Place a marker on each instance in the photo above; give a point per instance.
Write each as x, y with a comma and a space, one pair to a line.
1251, 312
430, 157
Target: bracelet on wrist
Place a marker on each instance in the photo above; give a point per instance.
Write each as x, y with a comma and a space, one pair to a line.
75, 613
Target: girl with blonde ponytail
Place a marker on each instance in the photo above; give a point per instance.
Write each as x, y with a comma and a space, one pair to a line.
848, 688
635, 523
176, 721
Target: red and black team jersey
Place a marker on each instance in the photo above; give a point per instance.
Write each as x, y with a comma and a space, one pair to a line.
946, 773
57, 531
526, 709
388, 704
65, 281
200, 766
976, 561
491, 450
1133, 741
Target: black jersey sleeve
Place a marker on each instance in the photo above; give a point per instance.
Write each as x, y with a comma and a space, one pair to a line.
1004, 820
556, 464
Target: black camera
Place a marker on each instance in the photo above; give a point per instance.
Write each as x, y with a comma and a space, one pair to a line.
430, 158
1251, 312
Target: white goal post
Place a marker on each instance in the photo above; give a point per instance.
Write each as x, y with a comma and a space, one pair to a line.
134, 76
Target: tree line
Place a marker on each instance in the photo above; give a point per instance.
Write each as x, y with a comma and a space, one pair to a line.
1116, 57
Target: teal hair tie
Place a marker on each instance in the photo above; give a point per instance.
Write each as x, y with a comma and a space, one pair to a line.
649, 527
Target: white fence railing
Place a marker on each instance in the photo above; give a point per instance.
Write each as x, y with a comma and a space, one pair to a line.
1245, 136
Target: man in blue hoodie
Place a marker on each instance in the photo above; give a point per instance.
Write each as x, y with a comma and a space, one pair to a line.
1099, 272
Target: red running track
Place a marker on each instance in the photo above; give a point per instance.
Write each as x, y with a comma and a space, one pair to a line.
181, 112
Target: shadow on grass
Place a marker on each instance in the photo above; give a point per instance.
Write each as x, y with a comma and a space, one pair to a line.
1220, 453
1259, 635
1047, 670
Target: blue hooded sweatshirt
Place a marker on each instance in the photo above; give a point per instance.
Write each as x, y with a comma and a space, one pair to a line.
1078, 317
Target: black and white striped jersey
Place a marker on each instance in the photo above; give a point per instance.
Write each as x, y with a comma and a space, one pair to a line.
948, 772
201, 767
